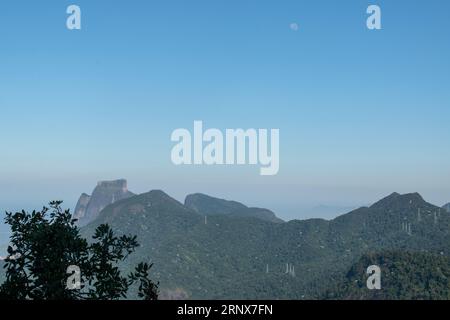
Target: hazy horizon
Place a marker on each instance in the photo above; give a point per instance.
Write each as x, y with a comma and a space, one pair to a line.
297, 211
326, 207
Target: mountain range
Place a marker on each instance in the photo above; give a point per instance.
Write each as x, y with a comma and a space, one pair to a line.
209, 248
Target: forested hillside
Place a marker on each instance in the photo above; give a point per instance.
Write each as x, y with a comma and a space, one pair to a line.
404, 276
227, 256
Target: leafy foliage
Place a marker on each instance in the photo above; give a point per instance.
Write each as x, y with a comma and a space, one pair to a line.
44, 244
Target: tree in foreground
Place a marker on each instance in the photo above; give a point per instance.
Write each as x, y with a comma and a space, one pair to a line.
49, 260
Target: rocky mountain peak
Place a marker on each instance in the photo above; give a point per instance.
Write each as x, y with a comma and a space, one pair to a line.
114, 185
104, 194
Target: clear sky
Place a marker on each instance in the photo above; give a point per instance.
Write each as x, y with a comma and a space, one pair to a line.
361, 113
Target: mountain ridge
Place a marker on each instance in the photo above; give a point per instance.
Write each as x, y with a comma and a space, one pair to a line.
226, 256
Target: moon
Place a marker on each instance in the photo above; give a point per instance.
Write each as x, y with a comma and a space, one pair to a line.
294, 26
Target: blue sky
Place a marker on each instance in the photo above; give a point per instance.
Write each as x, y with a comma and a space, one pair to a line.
361, 113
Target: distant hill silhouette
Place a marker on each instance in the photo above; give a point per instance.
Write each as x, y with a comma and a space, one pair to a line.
207, 205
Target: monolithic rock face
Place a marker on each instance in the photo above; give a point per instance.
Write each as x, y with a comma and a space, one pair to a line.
80, 209
106, 193
447, 207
